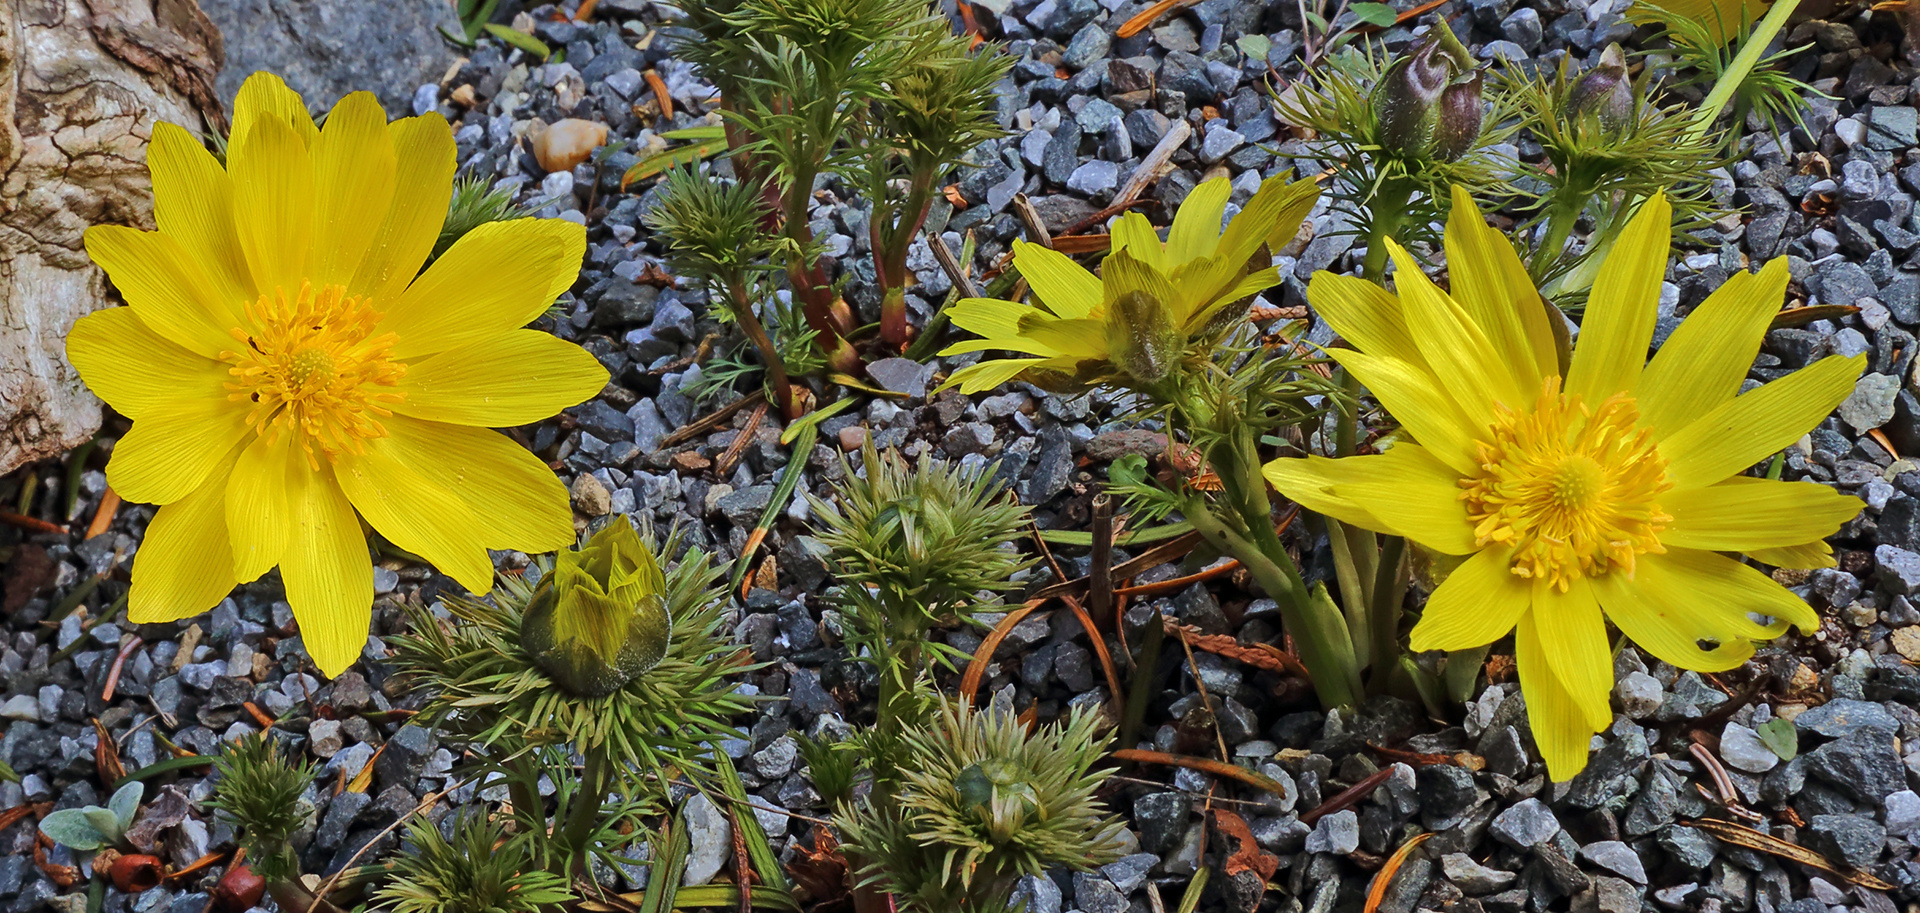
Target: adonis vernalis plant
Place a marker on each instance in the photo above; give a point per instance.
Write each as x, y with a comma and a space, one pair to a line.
291, 371
1612, 490
1133, 321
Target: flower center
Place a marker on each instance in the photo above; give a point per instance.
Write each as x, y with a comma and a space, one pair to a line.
1573, 490
312, 366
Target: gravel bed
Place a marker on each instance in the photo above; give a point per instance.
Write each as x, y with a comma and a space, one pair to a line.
1083, 108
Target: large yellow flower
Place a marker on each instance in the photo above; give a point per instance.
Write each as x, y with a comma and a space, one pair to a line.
1615, 489
290, 370
1148, 301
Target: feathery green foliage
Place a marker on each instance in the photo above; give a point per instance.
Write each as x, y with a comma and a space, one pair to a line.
475, 202
258, 792
487, 689
981, 803
478, 871
716, 230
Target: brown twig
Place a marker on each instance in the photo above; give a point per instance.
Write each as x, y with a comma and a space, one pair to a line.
1180, 631
119, 662
326, 887
723, 467
1348, 797
103, 515
660, 96
31, 524
1030, 218
983, 654
712, 420
1170, 550
1204, 765
1180, 583
1100, 575
1147, 17
950, 265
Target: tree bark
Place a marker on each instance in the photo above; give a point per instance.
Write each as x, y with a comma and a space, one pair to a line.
82, 83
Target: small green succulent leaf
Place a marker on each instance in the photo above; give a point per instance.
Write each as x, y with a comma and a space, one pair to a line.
125, 802
1780, 738
1254, 46
1129, 469
519, 39
74, 829
1378, 14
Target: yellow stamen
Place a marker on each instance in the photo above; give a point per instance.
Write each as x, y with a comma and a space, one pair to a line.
1574, 491
311, 365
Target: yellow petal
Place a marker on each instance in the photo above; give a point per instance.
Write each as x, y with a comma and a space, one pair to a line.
514, 500
158, 279
1748, 428
327, 571
423, 187
1202, 312
1742, 514
172, 578
273, 197
498, 277
415, 511
1560, 728
1623, 306
174, 447
135, 369
1805, 556
258, 514
265, 96
1419, 403
510, 378
1704, 361
1690, 608
1135, 235
986, 375
989, 317
353, 184
1462, 357
1195, 232
1491, 285
1277, 203
1573, 638
1083, 337
1122, 273
1404, 491
1365, 315
1063, 286
1476, 605
193, 204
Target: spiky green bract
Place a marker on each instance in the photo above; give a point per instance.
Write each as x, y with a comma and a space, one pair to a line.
926, 537
941, 99
478, 871
982, 802
1597, 170
716, 230
259, 792
1768, 91
475, 202
487, 689
1407, 185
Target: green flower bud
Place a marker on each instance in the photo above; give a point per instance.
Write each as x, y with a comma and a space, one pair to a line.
1604, 92
600, 618
1405, 103
1142, 336
1457, 128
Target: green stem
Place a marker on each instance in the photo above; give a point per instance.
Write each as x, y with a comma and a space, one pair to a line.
1386, 214
1561, 217
776, 369
524, 789
586, 808
1388, 594
1751, 52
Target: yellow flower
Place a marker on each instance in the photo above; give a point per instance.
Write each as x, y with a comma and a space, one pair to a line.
290, 370
1612, 491
1149, 301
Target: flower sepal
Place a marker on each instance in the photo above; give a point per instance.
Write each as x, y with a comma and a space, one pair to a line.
600, 618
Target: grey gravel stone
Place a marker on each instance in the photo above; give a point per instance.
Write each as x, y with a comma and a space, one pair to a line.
1857, 840
1742, 749
1841, 718
1871, 403
1616, 857
1471, 876
1338, 833
1527, 823
710, 838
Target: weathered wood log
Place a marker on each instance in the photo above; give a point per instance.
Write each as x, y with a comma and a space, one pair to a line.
81, 84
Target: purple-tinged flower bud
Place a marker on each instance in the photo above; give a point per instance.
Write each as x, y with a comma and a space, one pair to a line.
1457, 128
1405, 103
1604, 92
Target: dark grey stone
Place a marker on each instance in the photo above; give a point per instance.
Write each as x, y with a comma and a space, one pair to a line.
1865, 766
326, 50
1856, 840
1840, 719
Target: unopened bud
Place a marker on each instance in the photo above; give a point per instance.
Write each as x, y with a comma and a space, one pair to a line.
1142, 337
1405, 103
600, 618
1604, 92
1457, 129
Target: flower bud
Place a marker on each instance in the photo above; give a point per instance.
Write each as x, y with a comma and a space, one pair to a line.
1142, 336
600, 618
1457, 128
1405, 102
1604, 92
